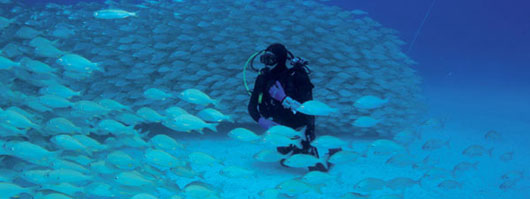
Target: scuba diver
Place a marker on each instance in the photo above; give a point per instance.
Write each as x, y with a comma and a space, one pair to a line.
277, 92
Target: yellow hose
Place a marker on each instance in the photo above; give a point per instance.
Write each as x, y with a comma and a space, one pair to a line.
249, 60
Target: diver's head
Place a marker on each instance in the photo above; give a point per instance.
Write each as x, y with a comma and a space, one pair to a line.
275, 56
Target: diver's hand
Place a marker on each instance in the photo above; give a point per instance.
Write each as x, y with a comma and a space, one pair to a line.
276, 91
290, 103
266, 123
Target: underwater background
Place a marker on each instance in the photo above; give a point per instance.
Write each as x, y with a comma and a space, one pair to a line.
466, 135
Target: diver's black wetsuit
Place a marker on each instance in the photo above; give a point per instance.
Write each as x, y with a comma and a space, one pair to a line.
297, 85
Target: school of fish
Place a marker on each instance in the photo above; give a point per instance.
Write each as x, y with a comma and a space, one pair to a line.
78, 83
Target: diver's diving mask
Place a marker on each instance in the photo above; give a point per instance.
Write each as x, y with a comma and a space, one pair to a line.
268, 58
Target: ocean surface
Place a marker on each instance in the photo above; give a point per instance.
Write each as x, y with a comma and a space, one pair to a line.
108, 113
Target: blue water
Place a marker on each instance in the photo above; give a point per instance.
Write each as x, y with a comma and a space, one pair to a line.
473, 57
474, 40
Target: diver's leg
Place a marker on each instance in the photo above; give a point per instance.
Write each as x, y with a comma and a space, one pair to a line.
319, 166
330, 153
284, 150
333, 151
311, 150
306, 149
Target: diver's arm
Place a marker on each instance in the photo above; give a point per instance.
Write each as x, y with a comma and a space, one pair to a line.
253, 103
276, 91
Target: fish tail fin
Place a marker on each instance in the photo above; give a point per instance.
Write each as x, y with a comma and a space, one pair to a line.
334, 111
324, 161
418, 134
36, 127
301, 132
216, 103
55, 41
201, 175
490, 151
421, 181
61, 54
32, 190
83, 131
199, 131
475, 164
88, 152
317, 188
129, 130
222, 161
229, 119
97, 66
258, 141
365, 153
134, 14
349, 146
57, 153
212, 126
298, 143
144, 134
100, 148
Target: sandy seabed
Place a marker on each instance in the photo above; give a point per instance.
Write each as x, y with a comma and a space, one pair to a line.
480, 183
